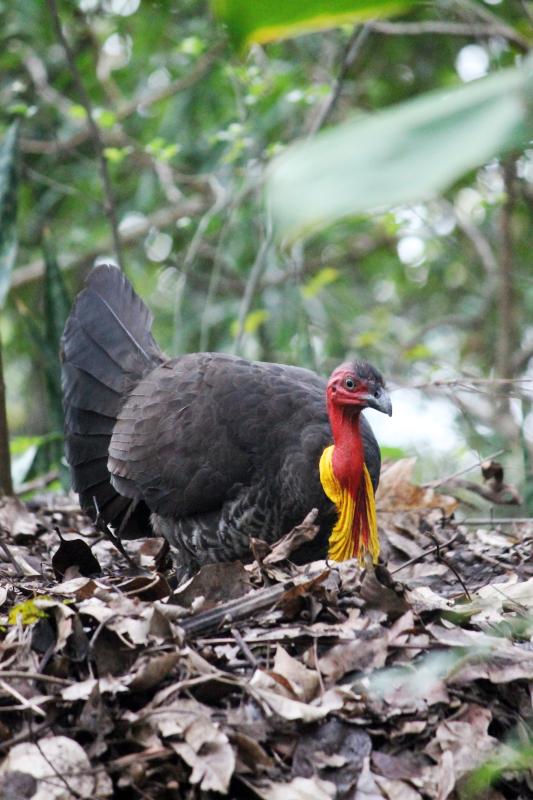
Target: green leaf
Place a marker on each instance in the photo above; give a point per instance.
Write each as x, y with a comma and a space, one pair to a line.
513, 758
253, 321
323, 278
8, 209
404, 154
28, 612
266, 20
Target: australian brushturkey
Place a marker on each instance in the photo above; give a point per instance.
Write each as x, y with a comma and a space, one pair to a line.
208, 449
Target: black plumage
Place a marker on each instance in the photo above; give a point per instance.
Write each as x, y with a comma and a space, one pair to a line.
209, 449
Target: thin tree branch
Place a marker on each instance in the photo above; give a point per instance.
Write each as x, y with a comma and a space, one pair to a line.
253, 282
471, 383
159, 219
85, 101
444, 28
441, 481
351, 52
145, 101
221, 199
506, 329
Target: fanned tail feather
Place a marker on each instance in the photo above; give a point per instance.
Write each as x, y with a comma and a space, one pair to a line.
107, 347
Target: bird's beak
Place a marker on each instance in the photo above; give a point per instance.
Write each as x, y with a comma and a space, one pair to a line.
379, 400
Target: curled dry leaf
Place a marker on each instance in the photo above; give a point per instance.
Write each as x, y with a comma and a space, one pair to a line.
284, 547
266, 691
149, 588
151, 670
304, 682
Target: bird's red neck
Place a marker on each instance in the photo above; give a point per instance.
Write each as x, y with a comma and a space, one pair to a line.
348, 453
346, 482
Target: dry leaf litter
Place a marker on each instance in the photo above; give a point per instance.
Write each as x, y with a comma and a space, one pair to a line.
265, 680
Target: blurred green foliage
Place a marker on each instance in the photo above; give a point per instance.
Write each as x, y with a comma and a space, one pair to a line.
268, 20
189, 129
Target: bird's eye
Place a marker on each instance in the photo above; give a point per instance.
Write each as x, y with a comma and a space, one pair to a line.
349, 383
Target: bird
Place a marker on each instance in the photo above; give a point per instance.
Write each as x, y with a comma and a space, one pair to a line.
210, 450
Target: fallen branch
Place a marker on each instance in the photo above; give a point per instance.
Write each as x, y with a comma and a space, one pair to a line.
244, 607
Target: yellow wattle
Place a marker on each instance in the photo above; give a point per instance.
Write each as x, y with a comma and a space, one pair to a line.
347, 540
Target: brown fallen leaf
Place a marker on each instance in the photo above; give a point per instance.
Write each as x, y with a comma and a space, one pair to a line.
460, 745
361, 655
213, 583
61, 768
293, 599
267, 692
251, 757
151, 670
335, 751
207, 750
16, 522
381, 591
74, 553
304, 683
149, 588
397, 492
284, 547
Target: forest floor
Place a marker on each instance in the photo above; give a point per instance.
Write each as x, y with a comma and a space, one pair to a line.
268, 680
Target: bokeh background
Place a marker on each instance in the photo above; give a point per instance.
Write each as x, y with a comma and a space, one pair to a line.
438, 295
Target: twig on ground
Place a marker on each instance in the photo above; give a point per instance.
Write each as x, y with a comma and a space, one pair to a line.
429, 551
11, 558
24, 701
30, 733
34, 676
249, 656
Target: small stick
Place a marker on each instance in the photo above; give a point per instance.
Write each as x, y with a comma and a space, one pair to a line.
427, 552
34, 676
497, 521
12, 559
251, 659
25, 703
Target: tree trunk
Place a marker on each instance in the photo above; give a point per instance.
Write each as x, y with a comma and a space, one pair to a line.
6, 485
506, 341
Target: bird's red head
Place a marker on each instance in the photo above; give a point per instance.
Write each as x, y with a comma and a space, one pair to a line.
357, 385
